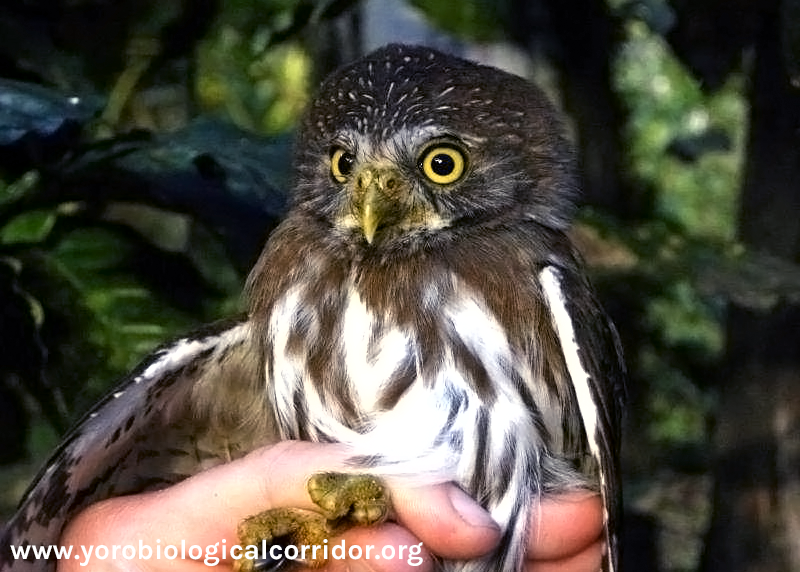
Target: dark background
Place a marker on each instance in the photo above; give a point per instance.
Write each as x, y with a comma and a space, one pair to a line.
144, 158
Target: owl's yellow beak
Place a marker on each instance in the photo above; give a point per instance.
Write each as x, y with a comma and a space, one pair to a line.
377, 199
370, 219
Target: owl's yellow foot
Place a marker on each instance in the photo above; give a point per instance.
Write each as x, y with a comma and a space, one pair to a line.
301, 528
361, 499
345, 500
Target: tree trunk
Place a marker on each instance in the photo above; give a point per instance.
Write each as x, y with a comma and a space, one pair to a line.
756, 522
580, 36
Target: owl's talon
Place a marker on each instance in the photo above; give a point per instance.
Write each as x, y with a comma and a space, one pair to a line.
301, 527
243, 565
360, 498
357, 499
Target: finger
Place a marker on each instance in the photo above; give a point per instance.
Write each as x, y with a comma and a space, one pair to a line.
588, 560
206, 508
446, 520
385, 548
221, 497
105, 525
565, 526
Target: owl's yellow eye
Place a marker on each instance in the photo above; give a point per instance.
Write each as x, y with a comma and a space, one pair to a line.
341, 164
443, 164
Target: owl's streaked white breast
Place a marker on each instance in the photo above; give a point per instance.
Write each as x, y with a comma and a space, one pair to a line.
410, 435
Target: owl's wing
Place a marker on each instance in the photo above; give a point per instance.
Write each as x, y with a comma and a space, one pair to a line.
156, 428
593, 356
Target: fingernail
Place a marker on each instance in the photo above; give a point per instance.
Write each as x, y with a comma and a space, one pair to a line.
470, 511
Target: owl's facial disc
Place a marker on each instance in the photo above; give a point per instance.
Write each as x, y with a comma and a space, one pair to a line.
381, 200
388, 192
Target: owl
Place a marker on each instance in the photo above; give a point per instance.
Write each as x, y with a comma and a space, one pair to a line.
420, 303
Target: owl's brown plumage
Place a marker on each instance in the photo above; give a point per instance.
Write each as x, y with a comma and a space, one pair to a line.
430, 275
421, 301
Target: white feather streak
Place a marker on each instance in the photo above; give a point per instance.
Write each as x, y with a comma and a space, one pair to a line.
551, 284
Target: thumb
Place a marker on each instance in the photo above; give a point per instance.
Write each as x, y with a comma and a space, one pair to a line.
446, 520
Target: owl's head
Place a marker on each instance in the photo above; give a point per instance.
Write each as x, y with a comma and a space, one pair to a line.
410, 142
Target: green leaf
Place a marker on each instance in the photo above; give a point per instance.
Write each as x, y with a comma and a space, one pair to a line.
31, 227
22, 186
477, 20
34, 111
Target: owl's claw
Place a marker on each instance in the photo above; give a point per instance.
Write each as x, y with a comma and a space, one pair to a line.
301, 527
362, 499
345, 500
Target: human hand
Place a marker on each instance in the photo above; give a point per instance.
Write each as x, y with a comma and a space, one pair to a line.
566, 536
205, 509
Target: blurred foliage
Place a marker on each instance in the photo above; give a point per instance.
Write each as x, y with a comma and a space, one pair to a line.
474, 20
686, 146
112, 245
260, 90
684, 142
138, 182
